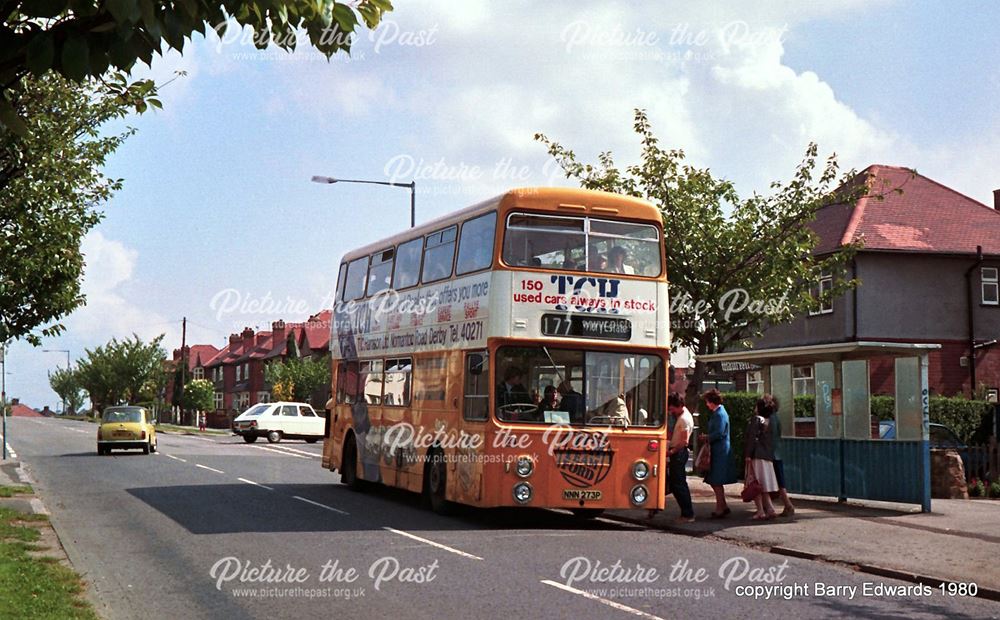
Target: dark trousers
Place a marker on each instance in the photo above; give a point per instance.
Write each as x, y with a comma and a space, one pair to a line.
678, 482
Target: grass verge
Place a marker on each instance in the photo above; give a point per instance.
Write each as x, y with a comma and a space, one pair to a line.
33, 587
170, 428
9, 491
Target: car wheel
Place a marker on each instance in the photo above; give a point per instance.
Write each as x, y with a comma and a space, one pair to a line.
152, 446
146, 448
100, 451
312, 440
249, 438
435, 483
273, 436
349, 465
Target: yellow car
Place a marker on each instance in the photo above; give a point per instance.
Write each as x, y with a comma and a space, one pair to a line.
126, 427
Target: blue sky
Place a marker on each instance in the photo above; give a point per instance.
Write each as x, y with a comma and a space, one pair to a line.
217, 194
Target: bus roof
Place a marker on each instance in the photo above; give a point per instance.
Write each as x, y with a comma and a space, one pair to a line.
567, 200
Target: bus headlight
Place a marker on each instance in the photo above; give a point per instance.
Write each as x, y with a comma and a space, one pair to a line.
639, 494
640, 470
522, 492
525, 466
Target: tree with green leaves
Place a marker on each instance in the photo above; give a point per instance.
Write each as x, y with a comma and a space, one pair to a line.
303, 375
66, 384
81, 39
199, 395
735, 264
124, 371
51, 187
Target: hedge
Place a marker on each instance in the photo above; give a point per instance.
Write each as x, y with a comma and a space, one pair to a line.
961, 415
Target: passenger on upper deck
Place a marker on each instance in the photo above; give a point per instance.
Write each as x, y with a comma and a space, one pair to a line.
616, 261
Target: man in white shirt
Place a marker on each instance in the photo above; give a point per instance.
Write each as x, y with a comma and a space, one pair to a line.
677, 456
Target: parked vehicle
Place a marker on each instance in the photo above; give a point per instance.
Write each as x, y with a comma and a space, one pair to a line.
277, 421
124, 428
940, 437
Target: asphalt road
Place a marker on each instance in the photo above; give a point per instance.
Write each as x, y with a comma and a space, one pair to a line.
191, 531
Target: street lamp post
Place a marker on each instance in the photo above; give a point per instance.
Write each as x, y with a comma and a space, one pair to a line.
66, 351
3, 395
412, 185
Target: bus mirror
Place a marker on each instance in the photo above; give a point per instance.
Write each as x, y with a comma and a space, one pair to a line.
476, 363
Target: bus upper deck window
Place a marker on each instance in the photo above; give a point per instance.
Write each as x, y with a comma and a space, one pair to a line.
439, 254
408, 264
357, 273
475, 248
380, 271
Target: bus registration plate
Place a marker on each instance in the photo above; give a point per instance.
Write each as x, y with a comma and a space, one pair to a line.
584, 494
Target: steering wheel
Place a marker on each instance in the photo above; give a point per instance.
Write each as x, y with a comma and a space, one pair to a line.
516, 408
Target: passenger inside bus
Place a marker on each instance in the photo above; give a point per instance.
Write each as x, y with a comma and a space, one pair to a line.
616, 261
572, 402
513, 400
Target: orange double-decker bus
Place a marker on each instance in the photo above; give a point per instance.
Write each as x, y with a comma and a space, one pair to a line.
514, 353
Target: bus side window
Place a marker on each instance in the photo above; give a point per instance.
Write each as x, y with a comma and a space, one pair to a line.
341, 277
439, 254
380, 271
357, 273
408, 257
475, 248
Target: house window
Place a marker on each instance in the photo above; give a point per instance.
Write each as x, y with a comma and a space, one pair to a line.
199, 373
803, 382
991, 286
246, 370
263, 397
819, 290
218, 401
239, 370
755, 381
242, 400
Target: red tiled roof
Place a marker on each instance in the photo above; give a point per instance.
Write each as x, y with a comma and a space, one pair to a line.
24, 411
316, 331
922, 216
200, 355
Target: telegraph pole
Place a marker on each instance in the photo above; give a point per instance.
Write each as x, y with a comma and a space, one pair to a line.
184, 323
3, 395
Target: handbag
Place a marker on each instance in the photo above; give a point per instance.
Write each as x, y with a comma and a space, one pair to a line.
751, 486
703, 462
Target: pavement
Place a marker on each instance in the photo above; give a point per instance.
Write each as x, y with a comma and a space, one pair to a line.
958, 541
212, 527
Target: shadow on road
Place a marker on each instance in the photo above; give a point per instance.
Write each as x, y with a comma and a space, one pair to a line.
244, 509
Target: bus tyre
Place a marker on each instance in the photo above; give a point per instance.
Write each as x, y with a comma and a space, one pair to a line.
349, 465
435, 483
587, 513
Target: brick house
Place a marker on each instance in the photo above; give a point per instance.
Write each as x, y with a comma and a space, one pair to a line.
198, 356
922, 281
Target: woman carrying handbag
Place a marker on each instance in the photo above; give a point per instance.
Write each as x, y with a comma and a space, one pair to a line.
759, 457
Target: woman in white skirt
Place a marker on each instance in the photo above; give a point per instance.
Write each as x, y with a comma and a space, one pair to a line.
759, 454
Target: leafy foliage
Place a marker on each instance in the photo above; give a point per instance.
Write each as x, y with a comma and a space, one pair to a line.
66, 383
51, 186
84, 39
758, 248
127, 371
299, 376
199, 395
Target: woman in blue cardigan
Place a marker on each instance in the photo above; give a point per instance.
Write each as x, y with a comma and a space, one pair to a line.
721, 471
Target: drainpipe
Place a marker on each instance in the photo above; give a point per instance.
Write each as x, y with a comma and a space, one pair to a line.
972, 319
854, 299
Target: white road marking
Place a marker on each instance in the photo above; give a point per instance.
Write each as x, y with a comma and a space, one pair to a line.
171, 456
594, 597
295, 451
256, 484
218, 471
282, 452
330, 508
433, 544
10, 449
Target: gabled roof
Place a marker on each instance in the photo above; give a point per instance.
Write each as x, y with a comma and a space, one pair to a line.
922, 216
315, 332
24, 411
200, 355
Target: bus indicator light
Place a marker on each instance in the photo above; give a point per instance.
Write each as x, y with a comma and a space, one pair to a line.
653, 445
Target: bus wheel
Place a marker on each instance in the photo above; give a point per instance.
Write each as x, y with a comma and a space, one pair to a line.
587, 513
349, 465
435, 483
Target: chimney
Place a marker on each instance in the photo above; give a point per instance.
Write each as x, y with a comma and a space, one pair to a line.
278, 332
996, 199
234, 339
247, 338
15, 402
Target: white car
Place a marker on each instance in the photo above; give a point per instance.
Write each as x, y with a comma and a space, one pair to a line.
281, 420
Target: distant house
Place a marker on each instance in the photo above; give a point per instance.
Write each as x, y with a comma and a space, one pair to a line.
17, 410
921, 281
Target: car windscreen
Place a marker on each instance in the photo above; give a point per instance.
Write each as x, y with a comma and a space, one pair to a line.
259, 409
122, 414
